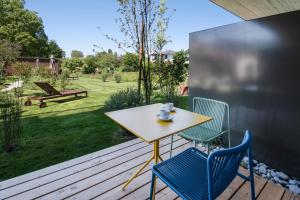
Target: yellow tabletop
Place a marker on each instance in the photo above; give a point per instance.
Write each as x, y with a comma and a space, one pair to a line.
144, 123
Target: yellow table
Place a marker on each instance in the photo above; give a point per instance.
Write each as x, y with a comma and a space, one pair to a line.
143, 122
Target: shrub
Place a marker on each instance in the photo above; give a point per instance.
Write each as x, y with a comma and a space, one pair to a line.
72, 64
43, 73
130, 62
171, 74
88, 69
127, 98
23, 71
118, 77
18, 91
64, 79
104, 76
11, 126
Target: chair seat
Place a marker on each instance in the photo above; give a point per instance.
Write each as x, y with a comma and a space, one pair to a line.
186, 173
200, 134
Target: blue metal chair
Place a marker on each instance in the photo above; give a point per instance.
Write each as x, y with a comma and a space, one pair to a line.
193, 174
209, 131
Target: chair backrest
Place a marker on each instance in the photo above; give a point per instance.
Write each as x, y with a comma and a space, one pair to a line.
47, 88
223, 166
215, 109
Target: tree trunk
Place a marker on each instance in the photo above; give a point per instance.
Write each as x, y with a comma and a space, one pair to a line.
141, 52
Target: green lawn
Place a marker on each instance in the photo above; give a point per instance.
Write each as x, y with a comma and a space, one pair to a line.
66, 129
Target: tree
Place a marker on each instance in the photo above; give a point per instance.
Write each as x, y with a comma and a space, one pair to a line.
138, 21
76, 54
55, 50
23, 27
90, 64
72, 64
130, 62
172, 74
161, 40
106, 62
8, 54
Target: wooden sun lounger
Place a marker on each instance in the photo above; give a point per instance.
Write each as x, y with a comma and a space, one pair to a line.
52, 94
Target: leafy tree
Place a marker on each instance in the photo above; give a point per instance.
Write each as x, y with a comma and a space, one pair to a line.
90, 64
76, 54
172, 74
73, 64
21, 26
138, 21
55, 50
106, 62
130, 62
8, 54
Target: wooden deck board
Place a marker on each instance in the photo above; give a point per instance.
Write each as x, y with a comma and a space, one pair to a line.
100, 175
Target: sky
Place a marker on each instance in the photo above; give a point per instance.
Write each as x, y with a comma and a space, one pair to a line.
73, 23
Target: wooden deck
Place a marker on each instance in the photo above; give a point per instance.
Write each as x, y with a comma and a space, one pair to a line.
100, 175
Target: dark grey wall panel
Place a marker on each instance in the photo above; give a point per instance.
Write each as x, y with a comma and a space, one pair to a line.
255, 67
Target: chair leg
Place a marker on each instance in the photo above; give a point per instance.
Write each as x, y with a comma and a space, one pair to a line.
208, 148
172, 139
250, 167
152, 189
229, 142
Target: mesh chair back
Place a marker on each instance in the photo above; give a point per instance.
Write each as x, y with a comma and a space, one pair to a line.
212, 108
223, 166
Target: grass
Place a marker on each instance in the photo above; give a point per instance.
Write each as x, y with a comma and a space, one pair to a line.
66, 129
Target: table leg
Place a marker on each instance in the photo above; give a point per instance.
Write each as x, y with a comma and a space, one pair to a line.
156, 157
137, 172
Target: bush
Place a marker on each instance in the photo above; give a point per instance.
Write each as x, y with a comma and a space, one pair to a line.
64, 79
127, 98
11, 126
130, 62
118, 77
43, 73
23, 71
88, 69
104, 76
171, 74
73, 64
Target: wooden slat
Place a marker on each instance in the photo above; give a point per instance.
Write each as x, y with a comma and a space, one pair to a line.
101, 175
252, 9
287, 195
61, 166
117, 192
112, 172
75, 169
47, 184
295, 197
166, 194
244, 191
271, 192
232, 188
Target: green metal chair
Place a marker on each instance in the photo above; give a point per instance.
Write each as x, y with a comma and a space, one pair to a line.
206, 133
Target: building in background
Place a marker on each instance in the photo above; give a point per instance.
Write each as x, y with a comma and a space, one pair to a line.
50, 63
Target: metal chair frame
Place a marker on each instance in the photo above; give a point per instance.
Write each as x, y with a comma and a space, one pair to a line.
213, 108
220, 168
